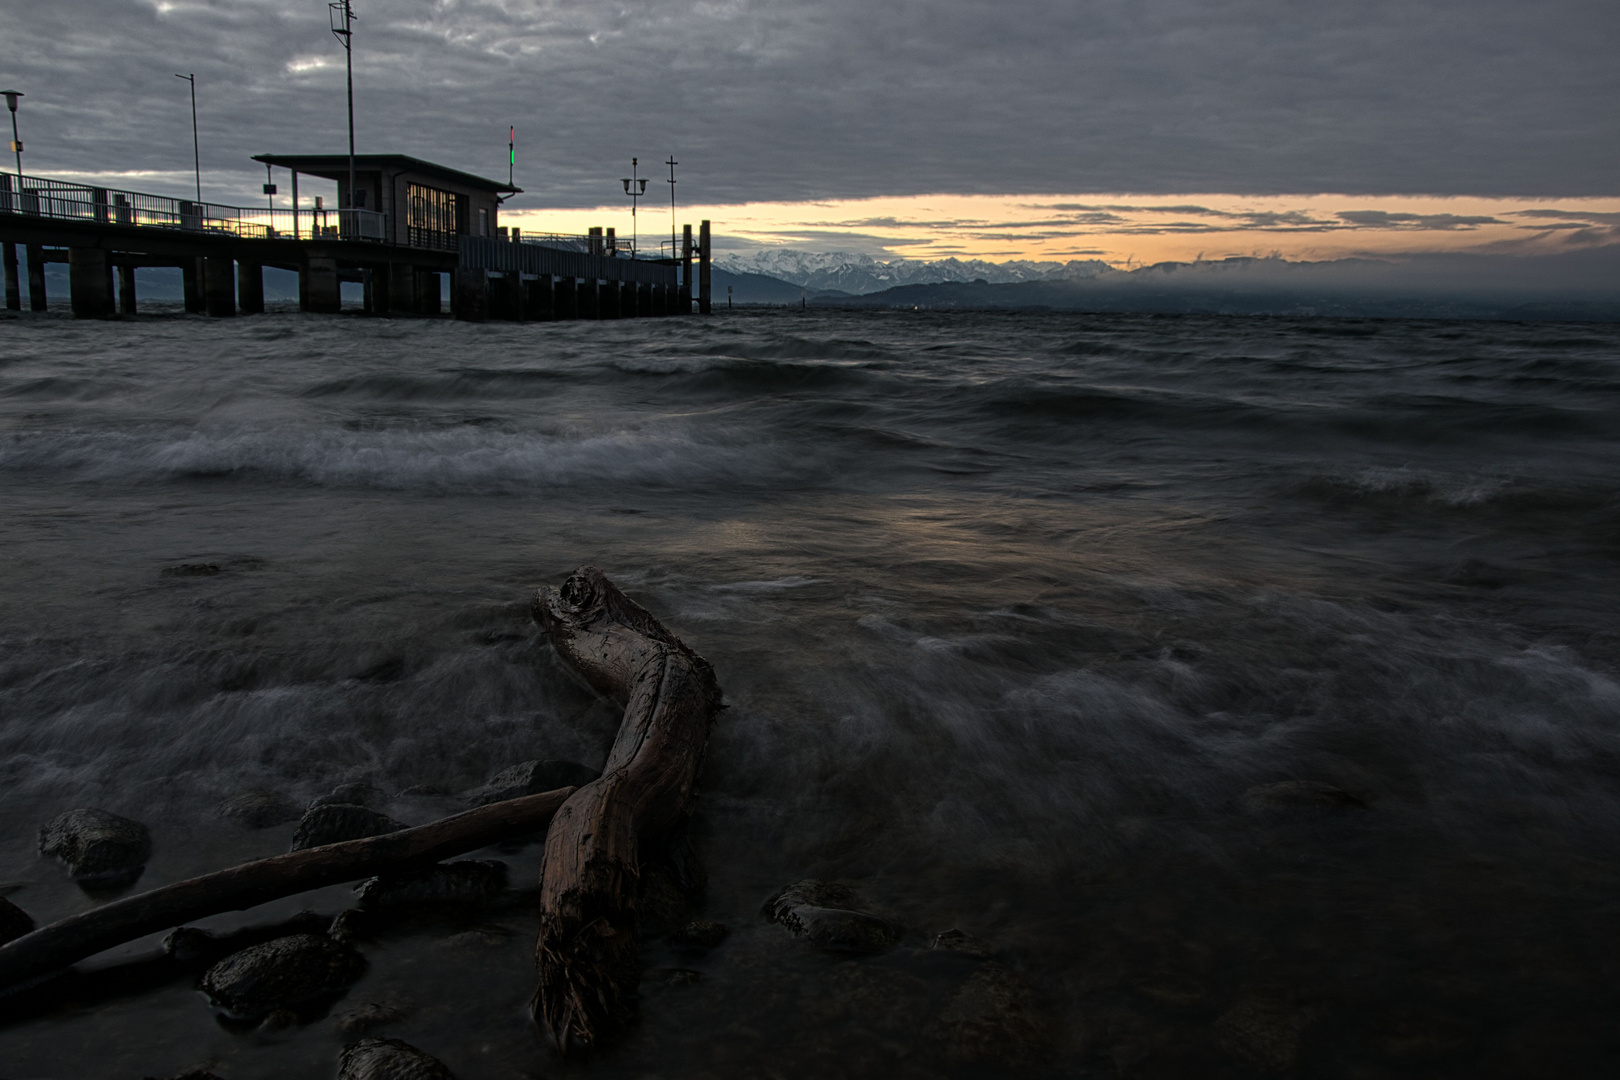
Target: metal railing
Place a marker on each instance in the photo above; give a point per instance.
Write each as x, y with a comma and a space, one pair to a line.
587, 245
62, 200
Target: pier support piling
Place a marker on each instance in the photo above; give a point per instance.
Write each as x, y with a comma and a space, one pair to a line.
8, 256
36, 277
191, 279
402, 287
321, 286
250, 288
90, 283
705, 307
126, 289
684, 304
219, 286
470, 294
429, 290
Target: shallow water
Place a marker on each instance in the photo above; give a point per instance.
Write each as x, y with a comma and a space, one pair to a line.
1010, 611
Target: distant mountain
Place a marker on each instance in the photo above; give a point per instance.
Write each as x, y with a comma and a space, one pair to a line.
861, 274
1582, 285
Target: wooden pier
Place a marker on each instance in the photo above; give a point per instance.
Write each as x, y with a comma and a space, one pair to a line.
423, 221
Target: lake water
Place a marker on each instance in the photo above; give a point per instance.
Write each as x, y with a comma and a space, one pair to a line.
1011, 611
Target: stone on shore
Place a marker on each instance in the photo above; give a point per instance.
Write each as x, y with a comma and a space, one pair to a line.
335, 822
814, 910
389, 1059
286, 973
97, 846
259, 809
531, 778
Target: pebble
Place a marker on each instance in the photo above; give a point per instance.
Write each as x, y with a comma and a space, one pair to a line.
531, 778
812, 910
335, 822
368, 1016
14, 921
466, 881
281, 974
96, 845
389, 1059
259, 809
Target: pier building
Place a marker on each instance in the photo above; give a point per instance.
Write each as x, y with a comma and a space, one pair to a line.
406, 224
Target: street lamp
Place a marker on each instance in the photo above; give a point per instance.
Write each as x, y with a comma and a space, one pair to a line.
196, 154
342, 15
16, 143
635, 187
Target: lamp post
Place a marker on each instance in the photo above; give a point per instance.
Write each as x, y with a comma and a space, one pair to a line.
342, 15
635, 187
16, 143
196, 152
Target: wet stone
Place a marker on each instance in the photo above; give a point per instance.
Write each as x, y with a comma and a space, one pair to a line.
531, 778
961, 941
259, 809
1300, 795
992, 1017
805, 910
337, 822
286, 973
359, 793
389, 1059
14, 921
96, 845
370, 1015
1264, 1029
700, 934
192, 945
466, 881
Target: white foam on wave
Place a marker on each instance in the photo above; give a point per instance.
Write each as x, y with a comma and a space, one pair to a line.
462, 458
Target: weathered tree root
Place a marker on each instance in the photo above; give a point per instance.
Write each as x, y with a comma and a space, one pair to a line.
586, 952
72, 939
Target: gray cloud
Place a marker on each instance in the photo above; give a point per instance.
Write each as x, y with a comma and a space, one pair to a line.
821, 99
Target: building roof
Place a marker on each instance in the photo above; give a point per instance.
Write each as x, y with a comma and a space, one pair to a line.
336, 167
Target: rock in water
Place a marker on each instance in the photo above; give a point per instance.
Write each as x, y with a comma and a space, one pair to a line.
466, 881
812, 909
281, 974
992, 1017
335, 822
358, 793
258, 809
389, 1059
531, 778
1300, 795
96, 845
14, 921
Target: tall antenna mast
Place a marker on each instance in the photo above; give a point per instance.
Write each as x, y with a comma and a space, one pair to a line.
342, 13
196, 153
635, 186
511, 154
674, 249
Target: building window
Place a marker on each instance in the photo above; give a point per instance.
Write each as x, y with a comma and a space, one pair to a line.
435, 219
483, 221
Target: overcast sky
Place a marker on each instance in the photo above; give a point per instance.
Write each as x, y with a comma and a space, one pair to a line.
823, 99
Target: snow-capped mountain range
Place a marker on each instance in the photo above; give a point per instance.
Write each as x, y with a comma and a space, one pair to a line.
861, 274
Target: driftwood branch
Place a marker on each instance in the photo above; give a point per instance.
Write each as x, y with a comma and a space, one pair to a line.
586, 952
79, 936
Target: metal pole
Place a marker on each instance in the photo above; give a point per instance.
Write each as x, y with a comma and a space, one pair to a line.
196, 152
673, 250
16, 140
344, 31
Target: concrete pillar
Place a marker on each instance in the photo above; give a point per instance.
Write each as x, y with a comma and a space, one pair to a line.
126, 289
428, 292
191, 278
250, 288
8, 256
469, 293
545, 298
219, 286
588, 298
325, 297
36, 277
683, 305
90, 282
402, 287
565, 304
607, 300
704, 290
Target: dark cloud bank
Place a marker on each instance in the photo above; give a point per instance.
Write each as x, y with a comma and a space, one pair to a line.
789, 99
1576, 285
